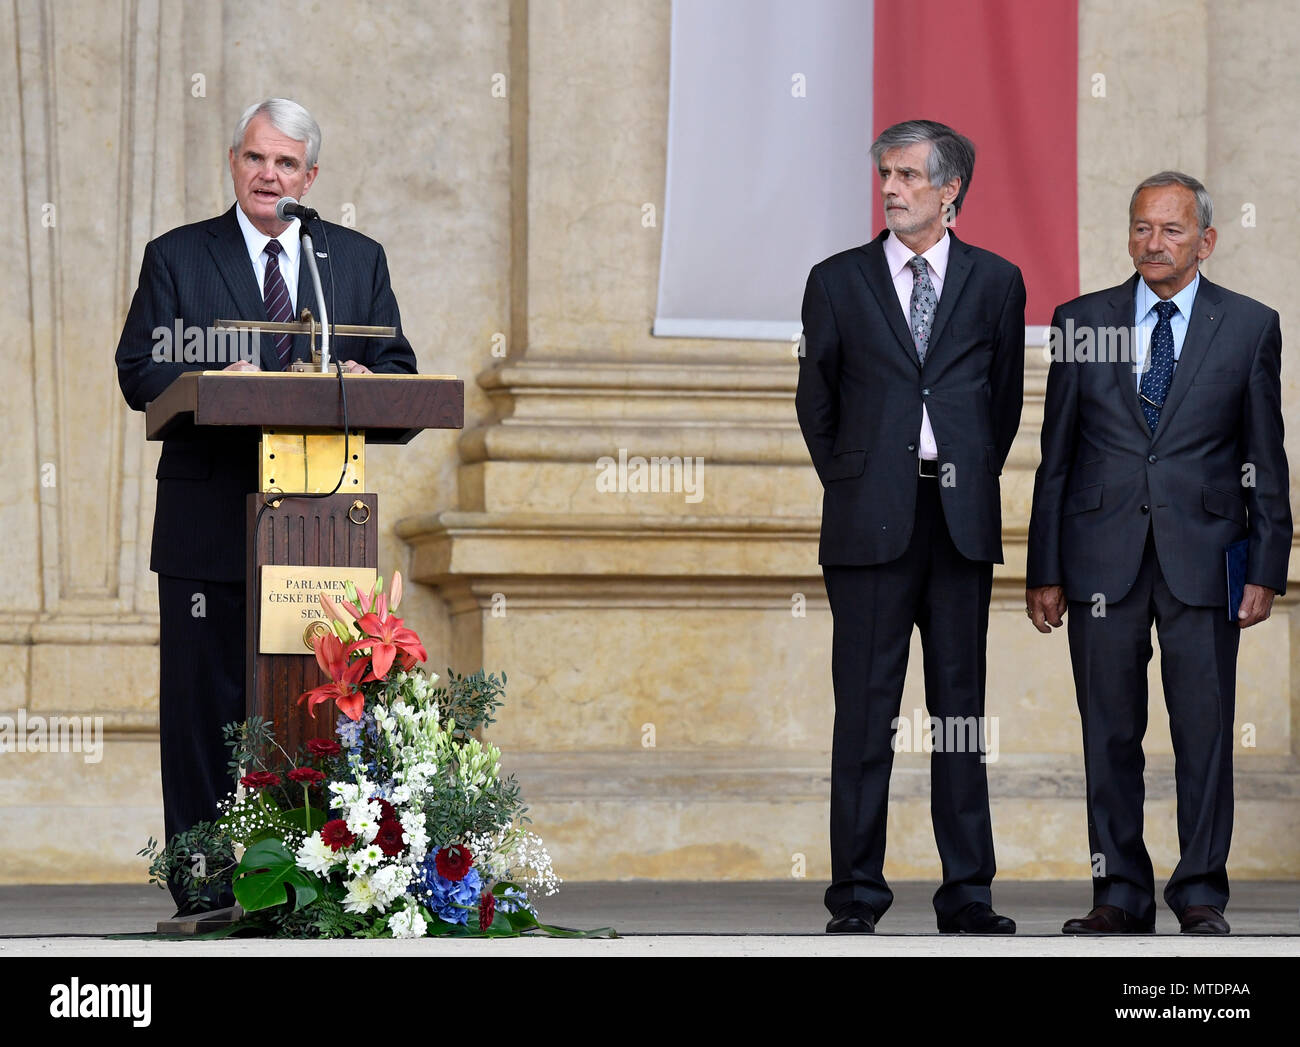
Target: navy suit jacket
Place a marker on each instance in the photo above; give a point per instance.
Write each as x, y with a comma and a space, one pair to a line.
1213, 472
861, 390
202, 273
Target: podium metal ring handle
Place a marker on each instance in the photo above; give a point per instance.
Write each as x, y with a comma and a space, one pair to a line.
355, 511
274, 503
313, 630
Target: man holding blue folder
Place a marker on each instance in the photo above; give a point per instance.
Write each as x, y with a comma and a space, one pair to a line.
1154, 461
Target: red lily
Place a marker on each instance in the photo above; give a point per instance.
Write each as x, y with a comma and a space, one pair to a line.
332, 657
385, 637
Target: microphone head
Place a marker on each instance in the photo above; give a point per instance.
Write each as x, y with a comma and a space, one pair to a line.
282, 208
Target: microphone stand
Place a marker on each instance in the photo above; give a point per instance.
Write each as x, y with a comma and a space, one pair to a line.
310, 253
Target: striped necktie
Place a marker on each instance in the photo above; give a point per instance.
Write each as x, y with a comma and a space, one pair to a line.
279, 307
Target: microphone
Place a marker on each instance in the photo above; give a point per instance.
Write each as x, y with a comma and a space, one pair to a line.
287, 207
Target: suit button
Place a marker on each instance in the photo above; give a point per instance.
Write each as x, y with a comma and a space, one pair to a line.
1146, 509
1152, 459
911, 447
925, 392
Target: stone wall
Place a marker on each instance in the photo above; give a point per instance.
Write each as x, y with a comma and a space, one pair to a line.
670, 705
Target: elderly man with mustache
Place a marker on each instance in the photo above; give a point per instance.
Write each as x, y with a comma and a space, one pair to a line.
1152, 466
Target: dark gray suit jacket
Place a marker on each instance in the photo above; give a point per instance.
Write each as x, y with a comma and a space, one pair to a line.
201, 273
861, 390
1214, 471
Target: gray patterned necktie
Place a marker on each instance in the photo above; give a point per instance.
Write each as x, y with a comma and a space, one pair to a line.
924, 301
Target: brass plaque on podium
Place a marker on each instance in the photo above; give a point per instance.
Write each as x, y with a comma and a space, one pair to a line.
291, 614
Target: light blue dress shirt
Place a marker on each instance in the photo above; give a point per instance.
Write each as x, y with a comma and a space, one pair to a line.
1145, 320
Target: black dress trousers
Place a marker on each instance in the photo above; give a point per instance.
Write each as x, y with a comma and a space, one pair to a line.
200, 690
932, 587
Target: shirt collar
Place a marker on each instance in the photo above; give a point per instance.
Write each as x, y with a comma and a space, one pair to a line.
256, 240
898, 254
1147, 298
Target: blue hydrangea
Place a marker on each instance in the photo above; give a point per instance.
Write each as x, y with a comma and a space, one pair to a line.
349, 731
444, 897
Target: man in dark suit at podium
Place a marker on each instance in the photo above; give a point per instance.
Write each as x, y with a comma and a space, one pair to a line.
910, 388
1154, 462
243, 265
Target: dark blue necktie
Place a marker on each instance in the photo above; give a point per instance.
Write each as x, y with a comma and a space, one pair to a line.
279, 309
1160, 365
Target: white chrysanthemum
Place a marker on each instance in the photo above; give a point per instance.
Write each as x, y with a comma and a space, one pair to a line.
316, 856
357, 865
363, 820
371, 855
360, 897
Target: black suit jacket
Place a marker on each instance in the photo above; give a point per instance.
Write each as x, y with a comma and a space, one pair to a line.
201, 273
861, 390
1105, 477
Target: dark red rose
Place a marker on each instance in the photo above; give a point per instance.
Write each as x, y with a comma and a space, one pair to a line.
387, 812
306, 776
321, 747
453, 862
389, 837
487, 910
336, 834
260, 780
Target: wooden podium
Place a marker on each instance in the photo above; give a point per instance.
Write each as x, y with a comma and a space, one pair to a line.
293, 520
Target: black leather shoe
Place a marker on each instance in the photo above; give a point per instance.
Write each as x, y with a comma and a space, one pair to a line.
1203, 919
1108, 919
853, 918
978, 918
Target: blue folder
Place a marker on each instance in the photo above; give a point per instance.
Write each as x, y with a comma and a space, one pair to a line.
1234, 556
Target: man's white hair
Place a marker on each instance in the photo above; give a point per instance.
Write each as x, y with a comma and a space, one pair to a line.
287, 117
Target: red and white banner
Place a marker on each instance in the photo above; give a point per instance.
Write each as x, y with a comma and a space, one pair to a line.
772, 109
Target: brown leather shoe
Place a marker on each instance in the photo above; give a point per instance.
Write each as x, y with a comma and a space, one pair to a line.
1108, 919
1203, 919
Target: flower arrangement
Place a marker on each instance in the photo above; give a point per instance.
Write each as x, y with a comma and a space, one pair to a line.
404, 826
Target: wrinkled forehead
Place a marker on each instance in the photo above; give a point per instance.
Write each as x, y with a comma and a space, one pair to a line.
262, 136
1163, 204
913, 156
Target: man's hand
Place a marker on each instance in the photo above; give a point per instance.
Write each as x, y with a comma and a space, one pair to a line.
352, 367
242, 365
1256, 604
1045, 606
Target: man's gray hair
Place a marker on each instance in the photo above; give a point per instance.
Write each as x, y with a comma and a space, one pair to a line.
951, 155
1204, 207
287, 117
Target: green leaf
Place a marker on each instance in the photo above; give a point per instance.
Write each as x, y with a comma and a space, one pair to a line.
308, 818
521, 920
568, 932
265, 873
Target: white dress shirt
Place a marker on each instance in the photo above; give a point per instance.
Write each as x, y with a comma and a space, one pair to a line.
289, 257
897, 255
